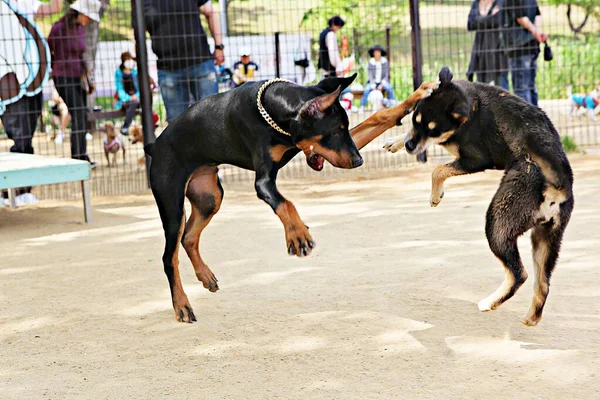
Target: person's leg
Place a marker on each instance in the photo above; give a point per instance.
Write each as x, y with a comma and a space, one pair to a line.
203, 80
16, 123
72, 94
502, 80
519, 67
390, 91
174, 91
20, 120
130, 109
365, 97
532, 75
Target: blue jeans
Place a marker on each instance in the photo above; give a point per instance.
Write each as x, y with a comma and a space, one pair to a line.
523, 70
369, 87
181, 88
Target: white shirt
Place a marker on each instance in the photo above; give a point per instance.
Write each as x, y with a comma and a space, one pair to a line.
332, 50
26, 7
378, 71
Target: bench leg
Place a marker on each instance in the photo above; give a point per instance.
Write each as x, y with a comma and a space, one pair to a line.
12, 197
87, 206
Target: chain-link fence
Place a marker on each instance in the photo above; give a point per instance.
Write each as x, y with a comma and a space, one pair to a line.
262, 39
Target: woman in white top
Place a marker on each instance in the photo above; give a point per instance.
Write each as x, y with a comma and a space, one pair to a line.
379, 75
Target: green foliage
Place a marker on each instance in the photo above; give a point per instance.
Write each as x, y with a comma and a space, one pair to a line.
366, 19
568, 144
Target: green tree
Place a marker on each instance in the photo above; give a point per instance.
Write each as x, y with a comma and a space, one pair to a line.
590, 7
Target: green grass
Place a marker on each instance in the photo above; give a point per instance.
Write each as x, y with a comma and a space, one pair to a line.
568, 144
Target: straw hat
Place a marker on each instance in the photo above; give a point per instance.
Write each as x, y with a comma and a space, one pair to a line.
89, 8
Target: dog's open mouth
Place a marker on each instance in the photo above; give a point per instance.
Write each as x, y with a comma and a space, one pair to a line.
315, 161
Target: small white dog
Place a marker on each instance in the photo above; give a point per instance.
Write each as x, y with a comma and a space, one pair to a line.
375, 98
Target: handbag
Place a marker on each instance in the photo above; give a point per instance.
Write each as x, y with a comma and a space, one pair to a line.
548, 56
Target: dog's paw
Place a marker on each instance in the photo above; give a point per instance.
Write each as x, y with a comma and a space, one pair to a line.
299, 242
435, 199
183, 310
208, 279
486, 304
426, 89
394, 144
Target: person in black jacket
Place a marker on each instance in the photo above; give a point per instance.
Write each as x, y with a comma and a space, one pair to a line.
329, 54
488, 61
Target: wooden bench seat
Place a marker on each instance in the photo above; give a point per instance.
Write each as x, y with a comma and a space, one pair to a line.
19, 170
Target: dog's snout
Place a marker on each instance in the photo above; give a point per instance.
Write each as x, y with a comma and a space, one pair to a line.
357, 161
409, 145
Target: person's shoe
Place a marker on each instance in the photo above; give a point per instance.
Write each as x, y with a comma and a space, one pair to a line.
60, 137
93, 164
89, 137
125, 131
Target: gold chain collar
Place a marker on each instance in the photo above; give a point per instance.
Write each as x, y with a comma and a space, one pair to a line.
262, 109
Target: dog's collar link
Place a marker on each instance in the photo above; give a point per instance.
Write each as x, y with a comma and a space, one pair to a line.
263, 111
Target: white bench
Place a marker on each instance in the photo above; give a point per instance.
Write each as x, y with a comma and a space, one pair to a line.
19, 170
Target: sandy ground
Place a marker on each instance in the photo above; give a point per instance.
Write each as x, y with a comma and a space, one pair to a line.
385, 307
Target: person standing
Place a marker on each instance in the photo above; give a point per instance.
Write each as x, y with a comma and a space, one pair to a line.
23, 111
522, 35
186, 66
488, 61
330, 61
69, 70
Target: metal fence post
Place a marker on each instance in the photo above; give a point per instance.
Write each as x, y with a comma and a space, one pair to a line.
139, 30
417, 54
388, 48
277, 56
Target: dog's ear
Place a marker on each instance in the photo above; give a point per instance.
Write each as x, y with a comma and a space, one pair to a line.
314, 108
460, 112
331, 84
445, 76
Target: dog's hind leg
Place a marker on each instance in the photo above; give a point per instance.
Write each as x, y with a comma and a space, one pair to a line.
205, 194
509, 216
545, 239
168, 186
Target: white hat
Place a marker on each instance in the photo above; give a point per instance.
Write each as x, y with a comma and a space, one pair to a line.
89, 8
245, 51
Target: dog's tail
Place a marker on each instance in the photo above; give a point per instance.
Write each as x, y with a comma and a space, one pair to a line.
547, 153
148, 149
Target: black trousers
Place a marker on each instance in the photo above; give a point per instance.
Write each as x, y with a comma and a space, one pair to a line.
69, 88
20, 120
130, 109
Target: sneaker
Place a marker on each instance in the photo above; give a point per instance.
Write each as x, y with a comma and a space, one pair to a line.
88, 136
125, 131
93, 164
60, 137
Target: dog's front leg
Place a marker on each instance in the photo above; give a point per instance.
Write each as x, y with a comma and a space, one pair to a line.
439, 176
383, 120
298, 239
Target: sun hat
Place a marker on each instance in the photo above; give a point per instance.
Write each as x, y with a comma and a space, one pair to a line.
377, 47
89, 8
245, 51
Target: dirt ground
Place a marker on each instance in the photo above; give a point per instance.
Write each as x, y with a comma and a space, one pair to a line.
385, 307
